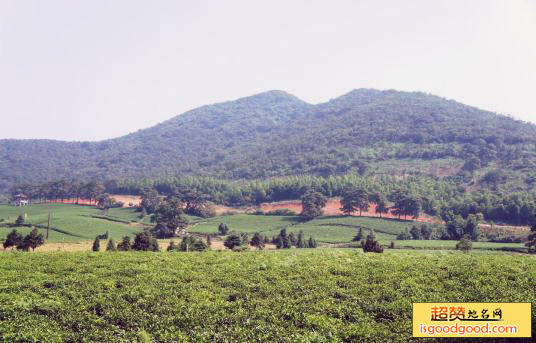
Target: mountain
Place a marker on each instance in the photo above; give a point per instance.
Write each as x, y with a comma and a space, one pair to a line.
276, 134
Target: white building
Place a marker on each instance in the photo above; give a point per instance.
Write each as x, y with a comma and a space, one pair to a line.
20, 200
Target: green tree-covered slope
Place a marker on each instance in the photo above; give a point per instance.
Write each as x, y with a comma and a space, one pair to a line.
277, 134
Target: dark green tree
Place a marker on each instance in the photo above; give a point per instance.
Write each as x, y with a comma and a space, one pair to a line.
172, 246
371, 245
354, 200
223, 229
359, 236
199, 245
169, 218
32, 240
381, 206
311, 243
96, 244
232, 241
464, 244
20, 220
13, 239
531, 239
144, 241
312, 204
125, 244
471, 227
111, 245
293, 239
426, 231
404, 235
257, 241
301, 243
149, 200
191, 243
283, 241
415, 232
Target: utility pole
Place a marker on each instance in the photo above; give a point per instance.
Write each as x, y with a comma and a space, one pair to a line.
48, 225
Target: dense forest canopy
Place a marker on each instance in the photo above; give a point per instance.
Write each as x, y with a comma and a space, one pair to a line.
274, 134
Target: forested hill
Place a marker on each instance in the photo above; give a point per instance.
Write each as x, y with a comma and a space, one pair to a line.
275, 134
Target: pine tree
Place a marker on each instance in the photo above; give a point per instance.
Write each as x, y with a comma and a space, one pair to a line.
301, 241
96, 244
20, 220
13, 239
111, 246
257, 241
292, 239
144, 241
359, 236
223, 229
311, 243
32, 240
283, 241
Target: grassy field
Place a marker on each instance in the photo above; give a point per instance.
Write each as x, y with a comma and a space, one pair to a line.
325, 229
320, 295
245, 223
75, 222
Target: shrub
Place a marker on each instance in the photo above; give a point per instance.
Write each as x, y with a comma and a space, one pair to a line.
281, 212
171, 246
257, 241
125, 244
144, 241
403, 235
371, 245
464, 244
223, 229
96, 244
13, 239
31, 240
111, 246
232, 241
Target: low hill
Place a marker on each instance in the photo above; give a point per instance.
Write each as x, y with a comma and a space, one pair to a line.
276, 134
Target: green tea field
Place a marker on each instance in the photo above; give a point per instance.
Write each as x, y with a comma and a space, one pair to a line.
71, 223
306, 295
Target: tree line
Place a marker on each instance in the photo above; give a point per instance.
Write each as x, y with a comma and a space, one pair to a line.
411, 195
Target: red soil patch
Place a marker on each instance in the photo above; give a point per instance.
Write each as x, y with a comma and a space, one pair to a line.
135, 200
506, 229
73, 201
333, 206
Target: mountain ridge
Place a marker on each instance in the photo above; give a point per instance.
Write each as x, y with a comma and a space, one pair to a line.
275, 133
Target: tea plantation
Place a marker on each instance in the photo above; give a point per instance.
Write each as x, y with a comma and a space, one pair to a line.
317, 295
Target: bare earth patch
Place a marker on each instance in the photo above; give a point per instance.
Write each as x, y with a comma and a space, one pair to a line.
333, 209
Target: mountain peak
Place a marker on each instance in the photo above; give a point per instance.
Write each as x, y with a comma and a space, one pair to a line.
271, 97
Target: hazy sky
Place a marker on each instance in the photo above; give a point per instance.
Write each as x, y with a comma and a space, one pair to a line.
89, 70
